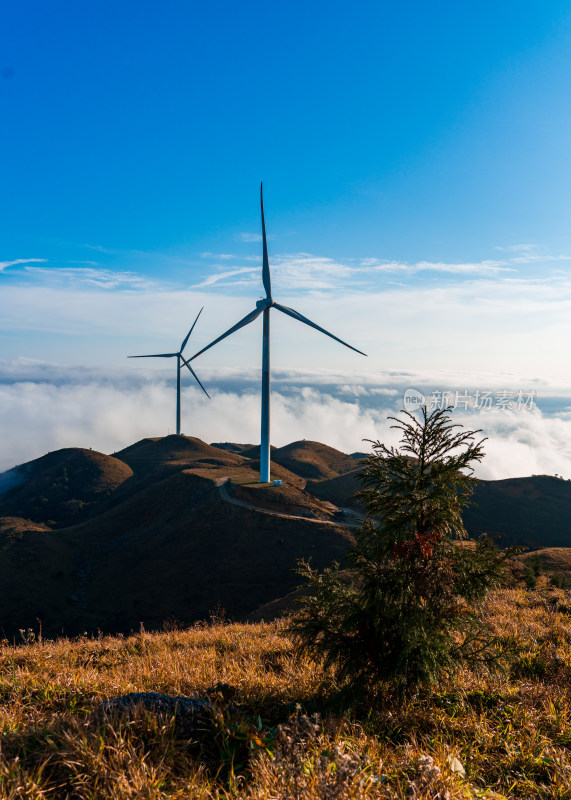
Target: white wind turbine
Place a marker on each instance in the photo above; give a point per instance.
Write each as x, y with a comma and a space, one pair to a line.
263, 307
180, 360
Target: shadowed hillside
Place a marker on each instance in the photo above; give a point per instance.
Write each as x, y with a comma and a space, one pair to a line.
254, 451
338, 490
174, 527
64, 486
171, 547
16, 526
534, 511
286, 499
179, 451
313, 460
233, 447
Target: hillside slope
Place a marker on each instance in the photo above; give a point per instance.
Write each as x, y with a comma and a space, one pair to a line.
338, 490
91, 541
149, 455
62, 487
173, 549
534, 511
313, 460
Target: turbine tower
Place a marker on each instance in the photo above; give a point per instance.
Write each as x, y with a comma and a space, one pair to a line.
180, 360
263, 307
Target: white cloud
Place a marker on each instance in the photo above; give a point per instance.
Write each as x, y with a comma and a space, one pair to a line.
43, 417
218, 256
5, 264
530, 254
85, 263
516, 248
487, 267
533, 258
524, 444
306, 271
106, 415
101, 249
97, 278
484, 268
248, 237
302, 271
500, 322
221, 277
355, 390
497, 325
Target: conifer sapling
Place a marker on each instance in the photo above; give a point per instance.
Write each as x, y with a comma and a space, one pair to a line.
408, 606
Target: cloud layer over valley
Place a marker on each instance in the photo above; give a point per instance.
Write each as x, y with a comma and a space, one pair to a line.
46, 407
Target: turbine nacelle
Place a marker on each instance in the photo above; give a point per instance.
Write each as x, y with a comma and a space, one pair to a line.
265, 302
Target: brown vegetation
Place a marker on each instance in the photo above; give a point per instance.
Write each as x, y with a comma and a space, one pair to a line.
339, 490
313, 459
489, 734
286, 499
65, 486
532, 511
85, 535
180, 451
171, 547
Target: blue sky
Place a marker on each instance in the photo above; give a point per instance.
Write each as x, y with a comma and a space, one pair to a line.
425, 131
417, 182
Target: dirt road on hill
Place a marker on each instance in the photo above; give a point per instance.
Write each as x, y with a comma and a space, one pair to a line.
227, 497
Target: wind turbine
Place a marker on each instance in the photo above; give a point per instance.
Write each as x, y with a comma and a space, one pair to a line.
263, 307
180, 361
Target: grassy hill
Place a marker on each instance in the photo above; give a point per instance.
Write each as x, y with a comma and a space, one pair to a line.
338, 490
233, 447
287, 499
63, 487
169, 548
552, 559
533, 511
149, 455
84, 535
313, 460
274, 729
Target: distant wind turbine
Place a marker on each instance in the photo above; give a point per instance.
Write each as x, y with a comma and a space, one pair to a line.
263, 307
180, 361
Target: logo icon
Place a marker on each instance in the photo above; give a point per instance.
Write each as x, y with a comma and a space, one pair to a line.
413, 399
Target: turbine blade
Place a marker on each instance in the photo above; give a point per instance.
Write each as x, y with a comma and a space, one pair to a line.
266, 263
300, 318
245, 321
156, 355
183, 345
196, 378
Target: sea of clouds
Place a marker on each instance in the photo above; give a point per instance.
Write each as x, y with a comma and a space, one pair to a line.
46, 407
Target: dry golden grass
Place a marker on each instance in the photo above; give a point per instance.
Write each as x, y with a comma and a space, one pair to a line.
510, 729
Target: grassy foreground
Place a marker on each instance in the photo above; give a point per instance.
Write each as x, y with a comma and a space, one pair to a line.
500, 734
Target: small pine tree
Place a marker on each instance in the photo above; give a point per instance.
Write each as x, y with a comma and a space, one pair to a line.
408, 608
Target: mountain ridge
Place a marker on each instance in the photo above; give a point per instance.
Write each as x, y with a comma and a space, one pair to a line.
148, 533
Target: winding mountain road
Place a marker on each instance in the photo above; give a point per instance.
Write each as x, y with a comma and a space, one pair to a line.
222, 484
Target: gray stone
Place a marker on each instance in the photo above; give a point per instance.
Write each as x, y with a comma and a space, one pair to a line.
192, 715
